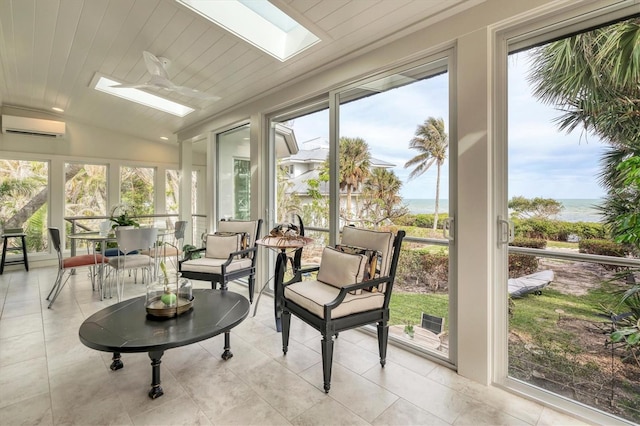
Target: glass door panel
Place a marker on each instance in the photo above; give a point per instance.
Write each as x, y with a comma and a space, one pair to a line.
394, 173
233, 174
568, 196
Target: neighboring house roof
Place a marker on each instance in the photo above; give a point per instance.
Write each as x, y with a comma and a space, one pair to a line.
316, 151
300, 186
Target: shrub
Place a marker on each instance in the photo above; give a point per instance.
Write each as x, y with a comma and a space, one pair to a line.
524, 264
422, 220
605, 248
587, 230
556, 230
423, 269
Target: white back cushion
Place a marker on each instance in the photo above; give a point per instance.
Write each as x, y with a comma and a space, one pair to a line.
376, 240
219, 246
340, 269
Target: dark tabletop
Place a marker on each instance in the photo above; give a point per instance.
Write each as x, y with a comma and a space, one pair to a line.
125, 326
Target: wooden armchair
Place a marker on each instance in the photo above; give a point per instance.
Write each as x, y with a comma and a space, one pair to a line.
229, 254
352, 289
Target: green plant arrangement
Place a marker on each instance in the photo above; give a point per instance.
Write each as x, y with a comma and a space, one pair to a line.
189, 248
121, 216
168, 298
408, 329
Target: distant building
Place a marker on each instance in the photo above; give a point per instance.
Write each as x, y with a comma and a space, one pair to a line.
307, 163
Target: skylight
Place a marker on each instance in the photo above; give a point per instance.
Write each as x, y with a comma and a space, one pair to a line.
258, 22
104, 84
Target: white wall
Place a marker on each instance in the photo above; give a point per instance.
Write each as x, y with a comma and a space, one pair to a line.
92, 142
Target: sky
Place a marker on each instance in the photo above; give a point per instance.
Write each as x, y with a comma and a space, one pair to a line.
543, 162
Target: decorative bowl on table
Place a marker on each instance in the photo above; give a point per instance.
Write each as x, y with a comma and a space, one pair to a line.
169, 298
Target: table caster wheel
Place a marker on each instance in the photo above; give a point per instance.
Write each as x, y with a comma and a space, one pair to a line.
227, 354
116, 365
156, 392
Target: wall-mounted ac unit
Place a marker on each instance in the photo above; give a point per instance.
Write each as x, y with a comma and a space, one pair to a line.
32, 126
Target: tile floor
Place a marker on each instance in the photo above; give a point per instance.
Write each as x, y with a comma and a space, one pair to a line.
48, 377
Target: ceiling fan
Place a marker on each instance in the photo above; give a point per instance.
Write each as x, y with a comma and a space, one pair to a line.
157, 67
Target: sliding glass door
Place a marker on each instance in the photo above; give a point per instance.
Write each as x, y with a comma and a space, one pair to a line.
233, 174
395, 172
570, 201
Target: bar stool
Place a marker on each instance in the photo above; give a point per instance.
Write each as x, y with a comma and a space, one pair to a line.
12, 234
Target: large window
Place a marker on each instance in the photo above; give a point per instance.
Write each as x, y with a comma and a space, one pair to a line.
137, 189
172, 191
85, 191
242, 186
24, 191
234, 174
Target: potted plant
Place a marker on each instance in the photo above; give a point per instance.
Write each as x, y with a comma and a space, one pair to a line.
121, 216
408, 329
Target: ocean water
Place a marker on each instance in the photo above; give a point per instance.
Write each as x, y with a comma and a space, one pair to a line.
575, 210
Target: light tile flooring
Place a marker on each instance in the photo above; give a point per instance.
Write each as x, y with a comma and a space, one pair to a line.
48, 377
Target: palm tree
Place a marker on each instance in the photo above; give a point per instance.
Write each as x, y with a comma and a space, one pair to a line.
382, 198
432, 142
355, 161
592, 78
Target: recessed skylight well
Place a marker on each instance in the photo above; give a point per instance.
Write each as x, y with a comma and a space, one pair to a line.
258, 22
104, 84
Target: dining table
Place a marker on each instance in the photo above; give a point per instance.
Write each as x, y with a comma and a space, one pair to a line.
99, 239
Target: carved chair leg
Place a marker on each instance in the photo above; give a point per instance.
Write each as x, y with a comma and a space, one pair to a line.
383, 337
252, 285
286, 326
327, 360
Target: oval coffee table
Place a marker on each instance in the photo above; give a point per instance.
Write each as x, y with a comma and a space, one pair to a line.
126, 328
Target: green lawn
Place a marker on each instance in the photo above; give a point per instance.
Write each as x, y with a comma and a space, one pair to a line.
407, 307
561, 244
534, 315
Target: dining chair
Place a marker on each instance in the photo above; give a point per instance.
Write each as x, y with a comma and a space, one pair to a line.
171, 250
93, 261
352, 289
130, 243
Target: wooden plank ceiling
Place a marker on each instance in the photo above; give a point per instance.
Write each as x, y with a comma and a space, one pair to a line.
50, 50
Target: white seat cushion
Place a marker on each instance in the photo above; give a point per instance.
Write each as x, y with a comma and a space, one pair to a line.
313, 295
130, 261
209, 265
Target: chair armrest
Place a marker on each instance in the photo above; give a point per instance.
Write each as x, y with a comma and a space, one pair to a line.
351, 287
309, 269
297, 274
241, 253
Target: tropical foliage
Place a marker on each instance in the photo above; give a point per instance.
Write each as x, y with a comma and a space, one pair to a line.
381, 197
355, 163
592, 78
136, 189
23, 199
